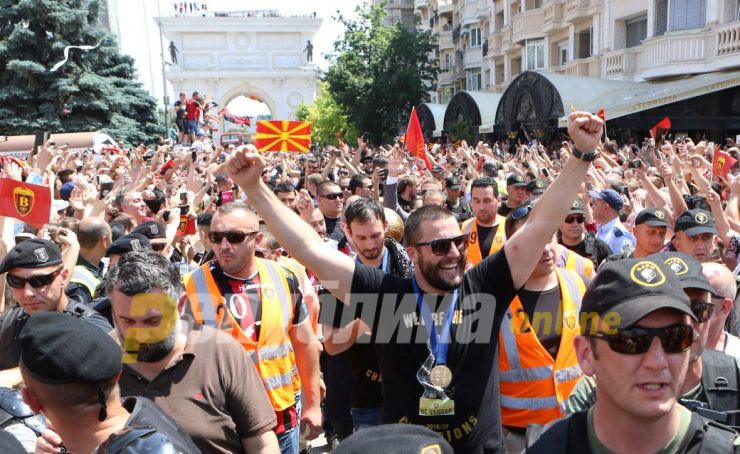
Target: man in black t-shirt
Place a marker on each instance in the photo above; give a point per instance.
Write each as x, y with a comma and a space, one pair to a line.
516, 193
180, 111
573, 235
452, 390
330, 200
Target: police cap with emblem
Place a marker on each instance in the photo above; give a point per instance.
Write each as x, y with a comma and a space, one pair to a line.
32, 253
654, 217
128, 243
453, 183
152, 230
516, 179
632, 289
695, 222
536, 186
394, 439
687, 268
577, 207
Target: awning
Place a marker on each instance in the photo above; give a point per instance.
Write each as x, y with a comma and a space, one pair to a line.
431, 117
76, 140
477, 108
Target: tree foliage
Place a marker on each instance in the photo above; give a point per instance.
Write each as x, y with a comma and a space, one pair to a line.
94, 90
379, 72
327, 118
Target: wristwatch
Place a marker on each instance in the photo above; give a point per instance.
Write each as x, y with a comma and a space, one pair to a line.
578, 154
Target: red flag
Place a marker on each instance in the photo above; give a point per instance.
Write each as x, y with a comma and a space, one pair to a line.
30, 203
662, 126
415, 139
186, 226
722, 163
601, 114
237, 120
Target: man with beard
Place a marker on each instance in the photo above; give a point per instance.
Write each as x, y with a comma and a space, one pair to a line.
486, 229
260, 304
447, 382
200, 376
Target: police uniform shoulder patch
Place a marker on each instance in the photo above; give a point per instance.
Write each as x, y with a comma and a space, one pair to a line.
701, 218
677, 265
647, 274
617, 232
41, 254
153, 229
659, 214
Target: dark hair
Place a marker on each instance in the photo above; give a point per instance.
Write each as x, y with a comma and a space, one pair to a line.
363, 210
90, 233
424, 214
65, 175
323, 184
284, 187
120, 225
141, 271
484, 182
355, 182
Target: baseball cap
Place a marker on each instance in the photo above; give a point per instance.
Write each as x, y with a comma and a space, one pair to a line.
577, 207
204, 219
687, 268
610, 196
57, 348
128, 243
516, 179
453, 183
367, 157
654, 217
438, 169
151, 230
632, 289
32, 253
536, 186
695, 222
66, 190
394, 439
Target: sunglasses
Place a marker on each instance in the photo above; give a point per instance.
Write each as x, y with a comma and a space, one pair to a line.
344, 188
636, 340
702, 310
34, 281
442, 246
331, 196
232, 236
159, 247
578, 219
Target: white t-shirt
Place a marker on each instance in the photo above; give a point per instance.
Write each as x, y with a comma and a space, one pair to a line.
732, 345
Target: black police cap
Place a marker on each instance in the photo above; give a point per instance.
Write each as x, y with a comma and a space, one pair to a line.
536, 186
687, 268
625, 291
654, 217
128, 243
577, 207
152, 230
394, 439
32, 253
695, 222
58, 348
516, 179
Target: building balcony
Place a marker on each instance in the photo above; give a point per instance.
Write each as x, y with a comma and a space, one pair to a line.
670, 54
469, 12
505, 39
421, 4
494, 44
473, 57
620, 64
527, 25
728, 40
445, 76
445, 40
552, 17
575, 9
586, 67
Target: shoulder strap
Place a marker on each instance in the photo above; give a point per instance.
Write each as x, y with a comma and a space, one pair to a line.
565, 435
715, 439
590, 242
720, 381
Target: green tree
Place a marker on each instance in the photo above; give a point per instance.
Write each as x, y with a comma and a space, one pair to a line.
460, 130
327, 118
379, 72
94, 90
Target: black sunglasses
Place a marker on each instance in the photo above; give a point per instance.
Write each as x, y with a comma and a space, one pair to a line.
442, 246
702, 310
332, 196
34, 281
578, 219
636, 340
159, 247
232, 236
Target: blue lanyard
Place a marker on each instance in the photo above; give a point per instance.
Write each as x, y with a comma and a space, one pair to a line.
439, 344
383, 262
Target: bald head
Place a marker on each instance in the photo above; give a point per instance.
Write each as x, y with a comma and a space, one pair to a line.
721, 279
237, 210
723, 283
92, 231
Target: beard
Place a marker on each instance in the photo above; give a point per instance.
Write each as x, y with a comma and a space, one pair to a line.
430, 271
157, 351
371, 254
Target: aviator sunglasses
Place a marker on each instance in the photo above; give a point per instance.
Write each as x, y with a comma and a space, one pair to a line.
442, 246
636, 340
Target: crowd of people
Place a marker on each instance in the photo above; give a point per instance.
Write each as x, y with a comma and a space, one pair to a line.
506, 299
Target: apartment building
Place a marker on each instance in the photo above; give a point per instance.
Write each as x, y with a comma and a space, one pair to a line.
399, 11
485, 44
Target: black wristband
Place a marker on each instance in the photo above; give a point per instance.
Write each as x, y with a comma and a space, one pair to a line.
578, 154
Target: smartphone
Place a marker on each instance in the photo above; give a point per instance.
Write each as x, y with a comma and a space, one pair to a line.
194, 155
383, 174
105, 189
167, 165
184, 198
227, 197
545, 173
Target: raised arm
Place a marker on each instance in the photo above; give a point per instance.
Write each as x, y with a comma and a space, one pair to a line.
333, 268
527, 244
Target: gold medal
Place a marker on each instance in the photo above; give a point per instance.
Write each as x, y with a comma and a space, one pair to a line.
441, 376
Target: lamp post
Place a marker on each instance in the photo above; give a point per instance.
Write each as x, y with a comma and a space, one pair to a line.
165, 98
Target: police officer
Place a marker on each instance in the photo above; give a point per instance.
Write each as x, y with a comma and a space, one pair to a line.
636, 343
17, 420
70, 370
696, 234
650, 230
605, 206
516, 192
535, 188
37, 277
94, 236
574, 236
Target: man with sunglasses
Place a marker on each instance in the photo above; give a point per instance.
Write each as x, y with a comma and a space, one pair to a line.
330, 200
260, 304
459, 398
635, 342
37, 278
574, 236
650, 229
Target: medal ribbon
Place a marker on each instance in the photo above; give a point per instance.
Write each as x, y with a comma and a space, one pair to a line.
384, 262
439, 345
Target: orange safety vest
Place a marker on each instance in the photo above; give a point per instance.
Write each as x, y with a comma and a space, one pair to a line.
575, 262
273, 352
533, 385
474, 253
295, 267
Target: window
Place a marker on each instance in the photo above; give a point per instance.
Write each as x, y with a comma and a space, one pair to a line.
661, 17
538, 3
535, 50
474, 79
448, 61
475, 37
636, 31
584, 43
563, 53
687, 14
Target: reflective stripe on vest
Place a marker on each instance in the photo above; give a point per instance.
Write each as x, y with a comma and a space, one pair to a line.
474, 254
273, 352
532, 383
85, 278
575, 262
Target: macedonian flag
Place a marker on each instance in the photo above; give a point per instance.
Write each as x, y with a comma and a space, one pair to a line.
30, 203
283, 135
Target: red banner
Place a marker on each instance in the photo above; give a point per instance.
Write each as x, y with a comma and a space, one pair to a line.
30, 203
722, 163
662, 126
235, 119
283, 135
187, 225
415, 139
